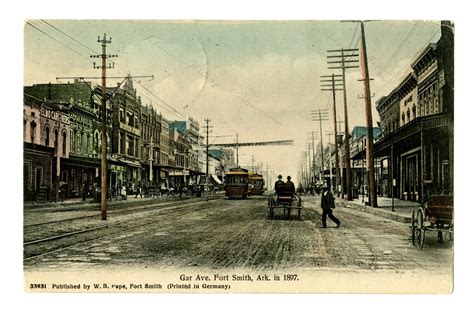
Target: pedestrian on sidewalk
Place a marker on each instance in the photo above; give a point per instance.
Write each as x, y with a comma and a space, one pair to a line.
327, 204
123, 192
139, 190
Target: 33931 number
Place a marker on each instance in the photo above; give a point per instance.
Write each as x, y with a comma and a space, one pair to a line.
37, 286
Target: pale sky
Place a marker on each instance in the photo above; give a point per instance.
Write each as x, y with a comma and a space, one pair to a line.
258, 79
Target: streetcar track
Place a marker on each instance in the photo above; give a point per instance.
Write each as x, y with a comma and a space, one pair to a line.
115, 225
115, 209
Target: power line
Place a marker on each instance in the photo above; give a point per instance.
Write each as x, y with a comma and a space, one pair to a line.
161, 100
397, 74
43, 32
354, 36
405, 39
73, 39
82, 44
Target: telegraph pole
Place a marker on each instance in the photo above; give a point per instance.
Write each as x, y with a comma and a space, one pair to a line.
237, 148
345, 60
207, 157
368, 112
150, 159
333, 88
320, 115
103, 113
329, 160
103, 187
313, 164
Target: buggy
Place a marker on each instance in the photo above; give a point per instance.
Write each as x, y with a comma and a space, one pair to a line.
435, 215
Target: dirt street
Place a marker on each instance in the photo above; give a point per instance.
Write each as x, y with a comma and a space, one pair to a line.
230, 234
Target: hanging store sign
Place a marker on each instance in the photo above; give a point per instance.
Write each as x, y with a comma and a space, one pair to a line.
178, 173
129, 129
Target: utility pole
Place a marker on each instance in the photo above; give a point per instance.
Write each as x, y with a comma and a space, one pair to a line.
345, 60
339, 148
207, 157
368, 112
333, 88
150, 159
313, 164
103, 187
237, 148
321, 115
329, 160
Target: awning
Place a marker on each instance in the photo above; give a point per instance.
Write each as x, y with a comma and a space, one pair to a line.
216, 179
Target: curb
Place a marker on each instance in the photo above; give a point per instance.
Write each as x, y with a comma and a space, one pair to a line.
378, 212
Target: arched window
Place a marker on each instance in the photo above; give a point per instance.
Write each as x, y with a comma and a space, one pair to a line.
79, 142
414, 112
64, 142
46, 135
96, 142
403, 118
56, 133
32, 131
408, 115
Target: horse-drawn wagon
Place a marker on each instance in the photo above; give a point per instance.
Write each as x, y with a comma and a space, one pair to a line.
286, 199
435, 215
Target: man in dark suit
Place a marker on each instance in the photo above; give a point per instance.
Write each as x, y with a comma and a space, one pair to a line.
278, 184
291, 185
327, 204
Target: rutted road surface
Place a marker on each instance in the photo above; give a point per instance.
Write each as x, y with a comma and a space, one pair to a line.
230, 234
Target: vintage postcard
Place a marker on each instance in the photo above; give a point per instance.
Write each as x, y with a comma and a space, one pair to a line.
232, 156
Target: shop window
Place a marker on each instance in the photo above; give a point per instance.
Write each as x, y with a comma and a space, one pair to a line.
428, 160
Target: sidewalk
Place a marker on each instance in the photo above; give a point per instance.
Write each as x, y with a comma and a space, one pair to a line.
402, 209
77, 203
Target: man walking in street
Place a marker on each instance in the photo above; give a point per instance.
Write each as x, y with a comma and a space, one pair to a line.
327, 204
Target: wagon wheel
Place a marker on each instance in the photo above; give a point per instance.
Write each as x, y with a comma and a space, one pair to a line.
414, 226
420, 230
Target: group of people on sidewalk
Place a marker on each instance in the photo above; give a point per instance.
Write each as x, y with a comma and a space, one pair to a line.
327, 200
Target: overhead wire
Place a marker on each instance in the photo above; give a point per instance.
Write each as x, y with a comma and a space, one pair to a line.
55, 39
405, 40
174, 111
397, 74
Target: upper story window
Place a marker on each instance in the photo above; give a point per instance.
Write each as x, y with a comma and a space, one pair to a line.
33, 131
122, 115
64, 142
46, 136
56, 139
